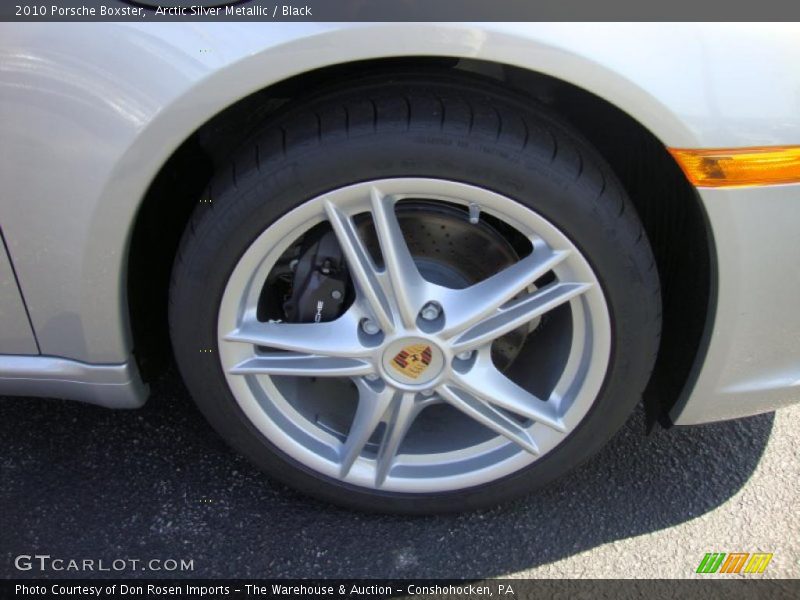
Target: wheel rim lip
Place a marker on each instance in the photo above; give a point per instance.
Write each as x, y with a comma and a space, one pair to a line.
274, 416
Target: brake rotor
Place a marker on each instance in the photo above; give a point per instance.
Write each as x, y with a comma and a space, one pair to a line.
451, 251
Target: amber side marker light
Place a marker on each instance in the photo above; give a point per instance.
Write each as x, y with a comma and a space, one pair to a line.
767, 165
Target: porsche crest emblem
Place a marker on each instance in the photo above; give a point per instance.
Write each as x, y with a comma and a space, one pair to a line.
412, 360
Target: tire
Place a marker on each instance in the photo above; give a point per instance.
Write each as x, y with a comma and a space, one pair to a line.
532, 173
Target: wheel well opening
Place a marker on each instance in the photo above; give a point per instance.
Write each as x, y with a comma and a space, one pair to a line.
667, 205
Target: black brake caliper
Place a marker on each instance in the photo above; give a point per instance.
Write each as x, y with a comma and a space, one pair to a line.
320, 281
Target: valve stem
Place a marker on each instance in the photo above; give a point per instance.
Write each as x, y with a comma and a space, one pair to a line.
474, 213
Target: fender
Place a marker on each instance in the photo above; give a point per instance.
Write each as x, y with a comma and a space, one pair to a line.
115, 100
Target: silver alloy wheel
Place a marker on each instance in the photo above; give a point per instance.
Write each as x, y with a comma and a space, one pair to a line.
266, 363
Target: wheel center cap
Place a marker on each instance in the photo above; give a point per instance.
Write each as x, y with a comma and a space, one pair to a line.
413, 361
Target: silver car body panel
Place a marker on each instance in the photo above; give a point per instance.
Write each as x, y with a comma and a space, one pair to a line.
17, 336
753, 358
113, 386
90, 112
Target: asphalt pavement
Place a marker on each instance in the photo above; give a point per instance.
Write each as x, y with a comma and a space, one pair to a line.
81, 482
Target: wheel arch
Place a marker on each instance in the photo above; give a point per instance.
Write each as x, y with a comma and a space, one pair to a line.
671, 211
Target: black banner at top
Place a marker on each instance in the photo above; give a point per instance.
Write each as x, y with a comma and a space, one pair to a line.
398, 10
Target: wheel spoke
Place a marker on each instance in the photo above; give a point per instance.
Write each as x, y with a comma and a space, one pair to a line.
408, 286
372, 406
400, 416
486, 415
488, 385
465, 308
300, 365
334, 338
517, 313
361, 266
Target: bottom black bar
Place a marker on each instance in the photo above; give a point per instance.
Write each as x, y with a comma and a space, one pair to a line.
351, 589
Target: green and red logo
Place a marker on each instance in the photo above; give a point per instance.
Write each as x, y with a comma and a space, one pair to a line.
734, 562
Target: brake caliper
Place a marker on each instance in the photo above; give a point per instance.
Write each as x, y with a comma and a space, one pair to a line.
320, 282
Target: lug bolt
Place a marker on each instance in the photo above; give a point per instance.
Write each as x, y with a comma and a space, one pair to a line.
427, 392
430, 311
372, 377
466, 355
370, 327
336, 294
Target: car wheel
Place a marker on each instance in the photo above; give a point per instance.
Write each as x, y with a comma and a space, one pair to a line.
416, 296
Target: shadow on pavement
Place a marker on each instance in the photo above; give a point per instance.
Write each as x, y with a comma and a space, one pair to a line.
84, 482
